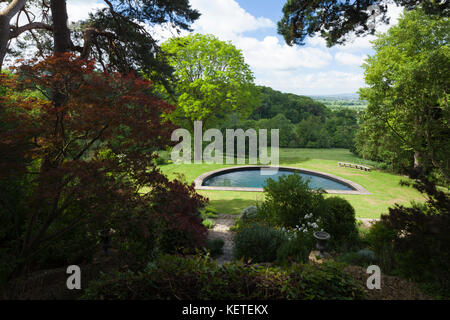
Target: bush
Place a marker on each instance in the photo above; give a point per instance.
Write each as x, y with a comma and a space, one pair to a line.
249, 213
380, 239
289, 200
416, 239
200, 278
208, 223
340, 222
257, 243
326, 281
209, 212
295, 249
362, 258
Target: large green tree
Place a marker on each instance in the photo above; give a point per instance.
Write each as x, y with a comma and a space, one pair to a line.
408, 82
335, 20
212, 80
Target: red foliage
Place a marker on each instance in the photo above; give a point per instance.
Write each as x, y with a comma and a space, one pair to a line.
92, 138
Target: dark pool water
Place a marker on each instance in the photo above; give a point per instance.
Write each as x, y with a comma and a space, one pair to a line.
254, 179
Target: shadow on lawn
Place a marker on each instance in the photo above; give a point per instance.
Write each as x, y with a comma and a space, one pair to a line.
231, 206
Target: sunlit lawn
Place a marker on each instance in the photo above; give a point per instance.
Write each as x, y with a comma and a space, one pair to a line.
384, 187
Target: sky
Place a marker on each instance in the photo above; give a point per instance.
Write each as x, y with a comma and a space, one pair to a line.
251, 25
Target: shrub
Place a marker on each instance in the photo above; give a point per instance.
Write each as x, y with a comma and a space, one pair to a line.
249, 213
295, 249
159, 161
326, 281
423, 237
380, 239
208, 223
362, 258
258, 243
248, 217
289, 200
417, 238
209, 212
199, 278
340, 222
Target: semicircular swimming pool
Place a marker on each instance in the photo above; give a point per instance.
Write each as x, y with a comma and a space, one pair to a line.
253, 178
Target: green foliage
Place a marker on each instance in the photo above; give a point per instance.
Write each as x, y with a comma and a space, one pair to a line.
336, 20
295, 249
422, 236
294, 107
363, 258
199, 278
208, 223
249, 213
380, 239
212, 80
209, 212
407, 91
303, 122
257, 243
288, 200
340, 222
326, 281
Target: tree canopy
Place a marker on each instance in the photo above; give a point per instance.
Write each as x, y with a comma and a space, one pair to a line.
119, 36
84, 161
212, 80
335, 20
408, 90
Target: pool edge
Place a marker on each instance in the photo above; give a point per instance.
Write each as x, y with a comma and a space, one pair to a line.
358, 189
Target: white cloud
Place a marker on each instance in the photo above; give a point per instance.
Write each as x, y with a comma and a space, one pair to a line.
270, 54
80, 9
349, 59
315, 83
226, 19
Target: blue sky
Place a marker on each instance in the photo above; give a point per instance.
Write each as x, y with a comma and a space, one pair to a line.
251, 25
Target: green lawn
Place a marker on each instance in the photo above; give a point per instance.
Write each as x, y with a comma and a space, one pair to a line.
384, 187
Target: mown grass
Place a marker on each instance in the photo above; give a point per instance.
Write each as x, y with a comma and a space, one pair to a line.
384, 187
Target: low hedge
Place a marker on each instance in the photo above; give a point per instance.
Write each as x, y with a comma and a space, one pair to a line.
200, 278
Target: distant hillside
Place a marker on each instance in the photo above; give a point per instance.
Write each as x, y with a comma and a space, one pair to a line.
346, 100
293, 107
303, 122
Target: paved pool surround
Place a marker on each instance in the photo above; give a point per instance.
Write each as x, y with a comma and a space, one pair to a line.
198, 182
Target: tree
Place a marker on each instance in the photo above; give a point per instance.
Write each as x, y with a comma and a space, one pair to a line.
408, 87
116, 36
334, 20
85, 160
212, 80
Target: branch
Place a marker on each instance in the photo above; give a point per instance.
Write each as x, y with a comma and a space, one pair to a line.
89, 36
14, 7
31, 26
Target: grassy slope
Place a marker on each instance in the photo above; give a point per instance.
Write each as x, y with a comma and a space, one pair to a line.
384, 187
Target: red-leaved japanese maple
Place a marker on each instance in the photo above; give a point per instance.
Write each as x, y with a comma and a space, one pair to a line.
85, 145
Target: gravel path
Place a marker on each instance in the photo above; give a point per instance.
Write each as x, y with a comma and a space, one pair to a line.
368, 222
222, 230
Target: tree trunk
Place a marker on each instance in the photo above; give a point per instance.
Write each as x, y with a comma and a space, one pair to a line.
416, 159
61, 33
5, 17
4, 37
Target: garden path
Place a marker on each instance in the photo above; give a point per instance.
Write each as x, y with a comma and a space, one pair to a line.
222, 230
